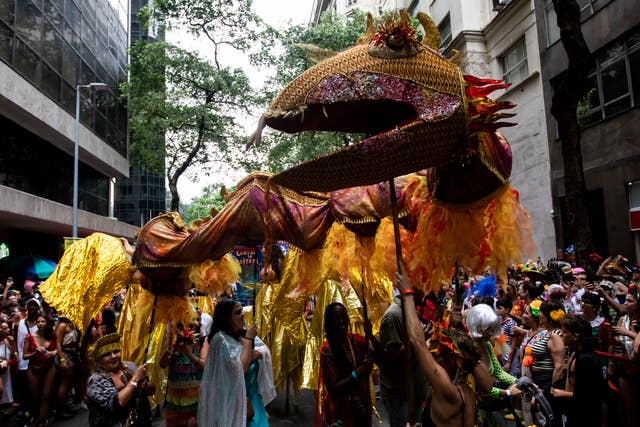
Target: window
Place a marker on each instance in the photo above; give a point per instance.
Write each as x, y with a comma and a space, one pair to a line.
8, 12
445, 32
498, 5
52, 46
27, 62
351, 2
614, 81
514, 63
50, 82
552, 31
589, 7
6, 42
29, 24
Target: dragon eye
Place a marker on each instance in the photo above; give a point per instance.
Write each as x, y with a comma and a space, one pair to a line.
395, 40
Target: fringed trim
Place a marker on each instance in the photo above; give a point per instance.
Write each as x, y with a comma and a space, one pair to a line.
263, 181
155, 264
367, 219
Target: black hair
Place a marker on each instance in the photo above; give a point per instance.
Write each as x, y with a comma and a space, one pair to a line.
548, 306
578, 325
490, 301
331, 331
534, 289
47, 332
505, 303
221, 319
109, 321
593, 300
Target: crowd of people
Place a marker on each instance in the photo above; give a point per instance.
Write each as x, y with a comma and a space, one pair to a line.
553, 345
547, 344
48, 368
45, 362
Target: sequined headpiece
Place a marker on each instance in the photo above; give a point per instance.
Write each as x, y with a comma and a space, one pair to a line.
105, 345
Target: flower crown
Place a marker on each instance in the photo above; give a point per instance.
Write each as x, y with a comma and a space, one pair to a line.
535, 307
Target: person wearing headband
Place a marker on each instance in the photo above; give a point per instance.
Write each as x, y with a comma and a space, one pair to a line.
117, 391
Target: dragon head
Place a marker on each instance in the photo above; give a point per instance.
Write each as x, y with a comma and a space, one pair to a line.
411, 102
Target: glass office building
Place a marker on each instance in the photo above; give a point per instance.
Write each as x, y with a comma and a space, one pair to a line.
58, 44
47, 49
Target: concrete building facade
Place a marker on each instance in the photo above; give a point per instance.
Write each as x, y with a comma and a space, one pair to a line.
47, 48
609, 117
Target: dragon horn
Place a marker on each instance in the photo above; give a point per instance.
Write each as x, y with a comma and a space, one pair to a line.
369, 31
431, 32
404, 17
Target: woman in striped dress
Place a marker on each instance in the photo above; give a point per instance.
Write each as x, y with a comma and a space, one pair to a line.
185, 364
549, 354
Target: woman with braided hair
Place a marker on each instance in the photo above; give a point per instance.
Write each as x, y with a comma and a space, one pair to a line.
117, 391
345, 367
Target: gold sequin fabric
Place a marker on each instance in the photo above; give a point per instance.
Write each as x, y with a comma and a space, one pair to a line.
88, 275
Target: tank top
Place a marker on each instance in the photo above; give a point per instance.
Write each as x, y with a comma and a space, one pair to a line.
542, 360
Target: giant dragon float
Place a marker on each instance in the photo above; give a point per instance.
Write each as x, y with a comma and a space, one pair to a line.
430, 129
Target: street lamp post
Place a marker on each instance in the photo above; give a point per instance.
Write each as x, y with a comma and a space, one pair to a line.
96, 86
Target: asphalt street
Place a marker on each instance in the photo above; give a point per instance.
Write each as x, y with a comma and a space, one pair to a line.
300, 413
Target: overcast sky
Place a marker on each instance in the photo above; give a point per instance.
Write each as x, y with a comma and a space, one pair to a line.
277, 13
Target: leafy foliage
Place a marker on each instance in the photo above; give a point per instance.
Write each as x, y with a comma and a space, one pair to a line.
176, 93
230, 23
201, 206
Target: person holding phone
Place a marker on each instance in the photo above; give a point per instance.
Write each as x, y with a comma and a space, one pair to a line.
7, 286
237, 381
117, 391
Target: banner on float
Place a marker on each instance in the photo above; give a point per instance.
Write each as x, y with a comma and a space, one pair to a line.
250, 259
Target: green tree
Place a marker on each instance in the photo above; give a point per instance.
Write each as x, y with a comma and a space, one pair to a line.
564, 108
200, 207
175, 93
225, 23
334, 32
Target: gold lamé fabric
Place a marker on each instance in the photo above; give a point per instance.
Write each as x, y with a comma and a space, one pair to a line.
88, 275
293, 343
134, 322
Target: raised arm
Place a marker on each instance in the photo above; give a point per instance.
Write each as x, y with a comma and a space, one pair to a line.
435, 374
60, 330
